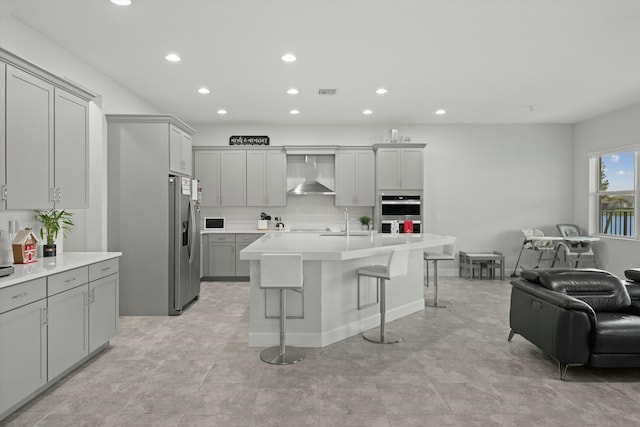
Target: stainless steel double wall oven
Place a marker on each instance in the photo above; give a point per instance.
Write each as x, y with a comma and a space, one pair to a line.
401, 207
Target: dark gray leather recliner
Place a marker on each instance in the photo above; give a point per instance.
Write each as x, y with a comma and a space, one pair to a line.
577, 317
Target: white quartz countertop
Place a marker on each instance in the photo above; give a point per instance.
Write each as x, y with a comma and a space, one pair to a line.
336, 246
51, 265
235, 231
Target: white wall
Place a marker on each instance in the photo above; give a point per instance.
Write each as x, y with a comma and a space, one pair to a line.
90, 231
613, 131
483, 183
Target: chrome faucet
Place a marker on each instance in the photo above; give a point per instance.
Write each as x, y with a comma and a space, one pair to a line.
346, 221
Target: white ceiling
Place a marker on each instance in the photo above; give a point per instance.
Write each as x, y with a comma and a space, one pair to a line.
484, 61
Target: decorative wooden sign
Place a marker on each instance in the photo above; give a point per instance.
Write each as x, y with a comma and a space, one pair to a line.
248, 140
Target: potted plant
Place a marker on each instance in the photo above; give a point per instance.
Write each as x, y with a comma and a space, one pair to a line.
364, 220
53, 221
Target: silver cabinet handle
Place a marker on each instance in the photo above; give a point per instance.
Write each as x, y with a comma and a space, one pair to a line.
106, 269
73, 279
59, 199
22, 295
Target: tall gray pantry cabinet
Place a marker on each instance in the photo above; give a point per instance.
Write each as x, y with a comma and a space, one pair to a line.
143, 150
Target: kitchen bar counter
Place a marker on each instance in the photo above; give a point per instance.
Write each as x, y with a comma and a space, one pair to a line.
51, 265
335, 246
327, 310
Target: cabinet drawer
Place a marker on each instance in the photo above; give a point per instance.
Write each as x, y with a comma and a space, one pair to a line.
103, 269
247, 238
67, 280
22, 294
217, 238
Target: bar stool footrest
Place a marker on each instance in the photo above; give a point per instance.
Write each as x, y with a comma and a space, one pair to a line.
291, 355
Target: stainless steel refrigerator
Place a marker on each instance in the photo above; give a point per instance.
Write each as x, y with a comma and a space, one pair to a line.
184, 244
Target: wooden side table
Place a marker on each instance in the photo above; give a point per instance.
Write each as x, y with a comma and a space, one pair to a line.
491, 260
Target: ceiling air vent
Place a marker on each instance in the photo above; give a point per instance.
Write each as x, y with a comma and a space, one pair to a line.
327, 91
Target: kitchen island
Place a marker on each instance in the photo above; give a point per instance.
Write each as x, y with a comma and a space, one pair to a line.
327, 310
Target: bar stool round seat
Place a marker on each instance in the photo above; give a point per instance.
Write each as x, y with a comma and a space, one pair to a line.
281, 271
398, 265
447, 254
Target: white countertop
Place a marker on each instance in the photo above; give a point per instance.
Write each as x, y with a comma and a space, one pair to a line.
336, 247
51, 265
235, 231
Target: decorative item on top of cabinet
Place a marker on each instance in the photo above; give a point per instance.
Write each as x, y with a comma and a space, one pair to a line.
355, 177
399, 166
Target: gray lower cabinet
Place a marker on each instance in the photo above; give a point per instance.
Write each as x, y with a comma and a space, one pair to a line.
242, 241
221, 254
103, 310
68, 329
23, 341
49, 325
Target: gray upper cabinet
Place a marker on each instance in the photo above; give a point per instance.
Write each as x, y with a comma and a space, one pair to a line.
71, 142
266, 178
233, 176
3, 146
355, 177
179, 151
222, 174
399, 168
29, 136
206, 168
44, 128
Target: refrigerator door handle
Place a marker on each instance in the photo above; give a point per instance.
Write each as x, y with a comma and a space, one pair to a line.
192, 240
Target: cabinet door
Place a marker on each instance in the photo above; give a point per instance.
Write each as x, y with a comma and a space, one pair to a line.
3, 158
256, 178
388, 169
186, 154
242, 266
345, 178
175, 150
103, 310
365, 178
276, 178
411, 169
233, 177
71, 143
222, 259
68, 330
29, 133
23, 353
207, 170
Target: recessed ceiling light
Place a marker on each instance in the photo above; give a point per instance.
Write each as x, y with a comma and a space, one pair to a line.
381, 91
292, 91
222, 111
441, 112
172, 57
294, 112
204, 90
121, 2
289, 57
367, 112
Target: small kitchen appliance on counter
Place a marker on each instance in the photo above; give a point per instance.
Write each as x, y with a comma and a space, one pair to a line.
214, 223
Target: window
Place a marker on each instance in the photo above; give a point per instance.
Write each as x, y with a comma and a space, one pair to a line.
616, 194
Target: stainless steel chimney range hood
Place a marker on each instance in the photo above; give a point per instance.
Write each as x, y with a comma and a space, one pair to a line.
310, 186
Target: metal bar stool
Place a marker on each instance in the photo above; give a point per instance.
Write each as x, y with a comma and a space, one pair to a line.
398, 265
447, 254
281, 271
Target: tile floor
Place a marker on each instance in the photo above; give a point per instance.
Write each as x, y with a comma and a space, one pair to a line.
455, 368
